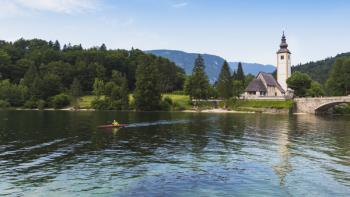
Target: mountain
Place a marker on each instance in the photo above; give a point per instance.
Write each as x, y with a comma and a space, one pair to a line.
319, 70
213, 63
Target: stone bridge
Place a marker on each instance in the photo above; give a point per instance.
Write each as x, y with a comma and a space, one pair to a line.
318, 105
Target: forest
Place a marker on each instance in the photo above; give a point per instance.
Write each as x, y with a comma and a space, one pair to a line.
34, 72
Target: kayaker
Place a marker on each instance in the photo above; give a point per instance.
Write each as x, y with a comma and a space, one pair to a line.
115, 123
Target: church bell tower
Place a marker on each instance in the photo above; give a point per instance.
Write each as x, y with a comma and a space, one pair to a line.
283, 63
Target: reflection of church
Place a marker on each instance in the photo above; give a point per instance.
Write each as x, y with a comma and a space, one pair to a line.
283, 167
265, 85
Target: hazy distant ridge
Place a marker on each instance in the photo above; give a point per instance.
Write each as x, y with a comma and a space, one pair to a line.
213, 63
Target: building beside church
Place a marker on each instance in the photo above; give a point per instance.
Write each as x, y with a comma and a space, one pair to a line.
265, 85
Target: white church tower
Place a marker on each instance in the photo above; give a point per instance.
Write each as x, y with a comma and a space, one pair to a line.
283, 64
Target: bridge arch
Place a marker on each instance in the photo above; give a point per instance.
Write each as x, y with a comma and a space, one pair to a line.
326, 106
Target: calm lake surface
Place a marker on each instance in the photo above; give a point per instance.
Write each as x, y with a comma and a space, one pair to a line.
57, 153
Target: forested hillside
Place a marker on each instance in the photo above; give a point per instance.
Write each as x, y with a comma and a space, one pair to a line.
67, 62
319, 70
37, 73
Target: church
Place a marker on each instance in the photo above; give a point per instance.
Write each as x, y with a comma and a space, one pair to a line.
265, 85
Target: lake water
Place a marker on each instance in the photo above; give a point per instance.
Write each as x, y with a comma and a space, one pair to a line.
57, 153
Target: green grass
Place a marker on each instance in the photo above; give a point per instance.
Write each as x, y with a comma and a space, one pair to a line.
180, 102
274, 104
85, 101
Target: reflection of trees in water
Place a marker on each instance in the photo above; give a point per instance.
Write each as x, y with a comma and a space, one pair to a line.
197, 131
232, 130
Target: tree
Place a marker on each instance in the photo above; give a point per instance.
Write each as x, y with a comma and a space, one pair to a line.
124, 94
57, 45
315, 90
30, 75
118, 91
103, 47
234, 75
49, 86
98, 88
147, 93
248, 79
237, 88
224, 84
14, 94
299, 82
100, 71
338, 83
198, 83
75, 90
240, 73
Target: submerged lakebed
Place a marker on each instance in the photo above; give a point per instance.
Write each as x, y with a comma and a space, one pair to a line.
63, 153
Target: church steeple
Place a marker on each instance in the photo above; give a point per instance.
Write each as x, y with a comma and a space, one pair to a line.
283, 63
283, 45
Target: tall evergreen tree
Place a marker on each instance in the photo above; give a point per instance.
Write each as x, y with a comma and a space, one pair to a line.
224, 84
234, 75
103, 47
57, 45
198, 83
240, 73
147, 93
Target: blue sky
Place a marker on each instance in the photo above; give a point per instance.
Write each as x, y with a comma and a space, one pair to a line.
246, 30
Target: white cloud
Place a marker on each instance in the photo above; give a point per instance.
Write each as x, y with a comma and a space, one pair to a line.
9, 8
59, 6
179, 5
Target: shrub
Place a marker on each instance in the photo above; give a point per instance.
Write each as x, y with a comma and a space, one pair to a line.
60, 101
41, 104
30, 104
100, 104
178, 106
4, 104
166, 104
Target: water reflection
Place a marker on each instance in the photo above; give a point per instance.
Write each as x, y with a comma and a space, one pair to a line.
173, 154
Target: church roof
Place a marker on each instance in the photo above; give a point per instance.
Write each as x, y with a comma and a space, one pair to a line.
283, 45
256, 86
271, 81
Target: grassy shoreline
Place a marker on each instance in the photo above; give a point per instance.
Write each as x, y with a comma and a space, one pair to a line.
182, 103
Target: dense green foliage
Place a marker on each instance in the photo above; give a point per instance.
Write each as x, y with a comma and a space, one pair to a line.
224, 83
315, 90
338, 83
319, 70
239, 73
13, 94
197, 85
75, 91
45, 69
59, 101
147, 93
240, 81
299, 82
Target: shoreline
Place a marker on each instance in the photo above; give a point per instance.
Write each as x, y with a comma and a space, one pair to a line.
214, 111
